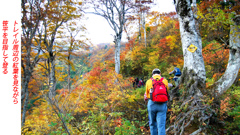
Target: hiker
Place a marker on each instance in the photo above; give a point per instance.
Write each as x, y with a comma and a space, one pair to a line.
141, 83
135, 83
157, 110
177, 74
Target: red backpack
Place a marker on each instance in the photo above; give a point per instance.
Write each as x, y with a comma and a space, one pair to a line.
159, 91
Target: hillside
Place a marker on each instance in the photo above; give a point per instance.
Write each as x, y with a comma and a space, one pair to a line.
79, 90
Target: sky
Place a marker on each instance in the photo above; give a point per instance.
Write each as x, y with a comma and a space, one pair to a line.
99, 31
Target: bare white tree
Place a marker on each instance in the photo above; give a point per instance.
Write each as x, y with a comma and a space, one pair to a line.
233, 66
193, 61
194, 74
114, 11
192, 49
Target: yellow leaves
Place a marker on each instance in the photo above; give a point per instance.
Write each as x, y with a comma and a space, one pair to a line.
131, 98
153, 60
211, 100
172, 41
104, 93
60, 75
79, 3
39, 119
62, 78
128, 56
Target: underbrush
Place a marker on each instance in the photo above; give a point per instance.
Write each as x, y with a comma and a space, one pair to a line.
206, 114
97, 106
106, 106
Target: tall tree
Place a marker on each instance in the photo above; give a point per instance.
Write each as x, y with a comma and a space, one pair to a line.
193, 60
233, 66
32, 15
194, 74
143, 9
114, 11
71, 36
59, 12
40, 22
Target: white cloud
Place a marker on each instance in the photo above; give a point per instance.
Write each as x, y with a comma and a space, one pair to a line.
98, 29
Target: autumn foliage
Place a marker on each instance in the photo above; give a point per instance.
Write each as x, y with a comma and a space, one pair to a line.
103, 102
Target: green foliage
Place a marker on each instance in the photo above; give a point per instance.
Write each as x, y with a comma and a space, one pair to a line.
209, 81
233, 125
236, 116
90, 124
52, 124
32, 102
80, 67
127, 128
215, 21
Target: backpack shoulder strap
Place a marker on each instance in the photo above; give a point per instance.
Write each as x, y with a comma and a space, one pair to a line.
153, 80
161, 80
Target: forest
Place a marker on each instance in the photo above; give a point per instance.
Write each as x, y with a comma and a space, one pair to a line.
72, 87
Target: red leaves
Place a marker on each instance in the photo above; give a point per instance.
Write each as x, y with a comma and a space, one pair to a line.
118, 122
177, 25
164, 49
95, 72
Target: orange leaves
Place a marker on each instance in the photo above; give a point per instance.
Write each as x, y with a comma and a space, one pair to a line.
130, 44
214, 54
163, 48
216, 76
214, 51
224, 107
100, 85
95, 72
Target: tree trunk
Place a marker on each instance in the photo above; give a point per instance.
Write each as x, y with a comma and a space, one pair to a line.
194, 75
193, 61
144, 29
69, 70
139, 27
27, 73
233, 66
114, 12
26, 93
52, 80
196, 22
117, 54
28, 34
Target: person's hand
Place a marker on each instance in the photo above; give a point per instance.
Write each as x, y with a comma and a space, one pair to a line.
145, 97
170, 85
